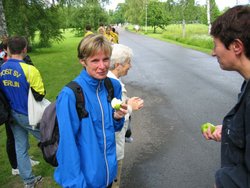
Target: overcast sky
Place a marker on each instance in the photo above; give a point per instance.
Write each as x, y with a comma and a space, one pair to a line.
221, 3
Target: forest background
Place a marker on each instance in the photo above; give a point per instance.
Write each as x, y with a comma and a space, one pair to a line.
48, 18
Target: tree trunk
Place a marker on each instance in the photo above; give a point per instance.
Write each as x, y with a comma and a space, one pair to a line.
3, 27
183, 28
208, 16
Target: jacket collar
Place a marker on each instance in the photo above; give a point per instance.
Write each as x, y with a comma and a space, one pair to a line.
244, 89
14, 60
93, 82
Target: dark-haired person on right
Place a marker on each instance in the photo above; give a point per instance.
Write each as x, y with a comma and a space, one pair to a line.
231, 35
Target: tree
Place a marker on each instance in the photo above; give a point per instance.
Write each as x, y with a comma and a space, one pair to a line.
187, 13
3, 27
202, 14
49, 27
117, 16
156, 15
26, 17
135, 11
89, 13
79, 2
208, 16
215, 12
212, 12
170, 9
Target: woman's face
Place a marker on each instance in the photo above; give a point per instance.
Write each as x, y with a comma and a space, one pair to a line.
125, 67
101, 31
97, 65
108, 30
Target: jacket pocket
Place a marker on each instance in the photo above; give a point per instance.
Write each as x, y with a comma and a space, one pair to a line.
235, 130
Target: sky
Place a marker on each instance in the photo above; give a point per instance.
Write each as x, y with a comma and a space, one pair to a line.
220, 3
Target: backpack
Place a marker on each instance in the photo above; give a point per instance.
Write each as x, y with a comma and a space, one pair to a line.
49, 125
4, 108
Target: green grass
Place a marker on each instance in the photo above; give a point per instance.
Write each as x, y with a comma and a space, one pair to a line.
196, 36
58, 65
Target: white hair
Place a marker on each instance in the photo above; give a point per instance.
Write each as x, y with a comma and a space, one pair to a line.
120, 54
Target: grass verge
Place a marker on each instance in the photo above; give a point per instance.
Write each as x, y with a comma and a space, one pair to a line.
196, 36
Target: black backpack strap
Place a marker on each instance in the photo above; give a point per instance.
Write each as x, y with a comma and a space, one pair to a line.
80, 102
109, 86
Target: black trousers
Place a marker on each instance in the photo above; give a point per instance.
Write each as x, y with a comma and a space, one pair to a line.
10, 146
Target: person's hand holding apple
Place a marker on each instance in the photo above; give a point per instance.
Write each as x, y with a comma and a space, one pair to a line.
206, 126
211, 132
116, 103
121, 109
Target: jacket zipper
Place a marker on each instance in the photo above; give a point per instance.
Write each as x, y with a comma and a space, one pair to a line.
104, 134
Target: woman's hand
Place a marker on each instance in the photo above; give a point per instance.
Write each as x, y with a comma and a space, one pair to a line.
118, 114
136, 103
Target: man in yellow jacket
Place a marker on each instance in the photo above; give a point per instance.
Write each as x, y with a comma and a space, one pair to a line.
88, 31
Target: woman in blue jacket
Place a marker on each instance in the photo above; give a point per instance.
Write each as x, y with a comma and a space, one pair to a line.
87, 153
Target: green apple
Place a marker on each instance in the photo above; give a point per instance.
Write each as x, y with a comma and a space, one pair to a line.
116, 103
205, 126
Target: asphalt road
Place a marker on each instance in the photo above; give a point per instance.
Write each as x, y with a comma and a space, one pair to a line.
182, 89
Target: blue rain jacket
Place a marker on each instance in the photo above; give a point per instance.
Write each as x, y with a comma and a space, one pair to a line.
87, 153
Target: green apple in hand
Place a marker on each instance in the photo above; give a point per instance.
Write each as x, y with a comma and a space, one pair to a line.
116, 103
205, 126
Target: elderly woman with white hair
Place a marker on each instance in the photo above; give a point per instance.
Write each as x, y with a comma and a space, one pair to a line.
119, 66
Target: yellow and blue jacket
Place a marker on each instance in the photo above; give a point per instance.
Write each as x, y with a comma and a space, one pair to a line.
16, 77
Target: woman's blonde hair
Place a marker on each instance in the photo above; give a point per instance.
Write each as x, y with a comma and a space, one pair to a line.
92, 44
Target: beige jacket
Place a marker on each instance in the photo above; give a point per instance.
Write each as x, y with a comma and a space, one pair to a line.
120, 136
